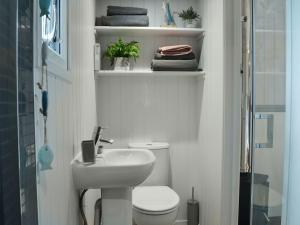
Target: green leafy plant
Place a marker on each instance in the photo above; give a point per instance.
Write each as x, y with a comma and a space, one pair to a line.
122, 49
189, 14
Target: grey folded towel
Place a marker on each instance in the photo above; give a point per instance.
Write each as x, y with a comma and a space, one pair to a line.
138, 21
174, 65
175, 57
118, 10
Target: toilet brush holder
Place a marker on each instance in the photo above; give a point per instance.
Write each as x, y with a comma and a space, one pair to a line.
193, 210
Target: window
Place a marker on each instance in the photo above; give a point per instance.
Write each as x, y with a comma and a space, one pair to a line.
51, 28
54, 30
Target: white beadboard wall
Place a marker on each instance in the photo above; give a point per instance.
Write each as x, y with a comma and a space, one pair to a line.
56, 195
231, 155
188, 112
72, 116
232, 96
155, 109
209, 157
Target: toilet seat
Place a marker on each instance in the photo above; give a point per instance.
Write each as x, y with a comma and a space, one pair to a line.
155, 200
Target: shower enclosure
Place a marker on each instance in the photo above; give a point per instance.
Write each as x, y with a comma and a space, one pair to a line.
263, 111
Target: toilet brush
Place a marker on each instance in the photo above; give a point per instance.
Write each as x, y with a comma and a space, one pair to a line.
193, 210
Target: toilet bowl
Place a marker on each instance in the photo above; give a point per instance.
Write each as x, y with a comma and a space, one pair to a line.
154, 205
154, 202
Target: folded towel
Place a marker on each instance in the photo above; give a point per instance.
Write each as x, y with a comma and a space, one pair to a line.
175, 57
138, 21
118, 10
174, 65
175, 50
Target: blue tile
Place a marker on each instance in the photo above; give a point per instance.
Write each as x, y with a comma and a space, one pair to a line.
10, 175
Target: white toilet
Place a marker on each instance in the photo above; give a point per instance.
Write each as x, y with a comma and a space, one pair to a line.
154, 203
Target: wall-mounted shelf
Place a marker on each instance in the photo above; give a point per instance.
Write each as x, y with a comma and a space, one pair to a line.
149, 31
106, 73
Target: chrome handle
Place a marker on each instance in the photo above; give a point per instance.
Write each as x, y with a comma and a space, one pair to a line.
110, 141
270, 128
267, 218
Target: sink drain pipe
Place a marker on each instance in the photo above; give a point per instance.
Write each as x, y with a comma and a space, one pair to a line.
98, 212
81, 206
98, 209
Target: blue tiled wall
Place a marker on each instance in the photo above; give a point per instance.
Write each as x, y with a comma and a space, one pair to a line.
17, 162
9, 163
26, 114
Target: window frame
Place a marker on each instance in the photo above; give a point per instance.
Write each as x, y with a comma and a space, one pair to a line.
58, 64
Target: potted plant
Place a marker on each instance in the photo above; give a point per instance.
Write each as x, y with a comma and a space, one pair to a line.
189, 17
121, 52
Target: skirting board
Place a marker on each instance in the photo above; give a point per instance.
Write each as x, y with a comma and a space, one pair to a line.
181, 222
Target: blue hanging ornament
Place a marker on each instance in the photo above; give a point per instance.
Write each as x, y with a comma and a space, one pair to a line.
45, 157
45, 103
45, 154
45, 7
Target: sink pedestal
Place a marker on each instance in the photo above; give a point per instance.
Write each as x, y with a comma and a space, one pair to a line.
117, 206
115, 171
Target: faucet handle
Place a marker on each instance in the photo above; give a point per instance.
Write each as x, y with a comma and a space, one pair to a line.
110, 141
97, 133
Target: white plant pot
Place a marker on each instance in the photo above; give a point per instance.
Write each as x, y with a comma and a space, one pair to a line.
122, 64
190, 23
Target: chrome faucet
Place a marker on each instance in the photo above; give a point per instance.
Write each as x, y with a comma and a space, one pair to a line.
110, 141
101, 140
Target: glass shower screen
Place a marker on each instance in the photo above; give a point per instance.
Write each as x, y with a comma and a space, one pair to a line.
263, 111
269, 127
269, 79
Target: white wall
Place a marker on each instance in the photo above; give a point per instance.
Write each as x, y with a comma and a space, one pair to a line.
56, 195
72, 116
211, 127
154, 109
188, 113
232, 106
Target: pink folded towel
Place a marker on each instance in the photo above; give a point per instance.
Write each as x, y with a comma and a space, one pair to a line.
175, 50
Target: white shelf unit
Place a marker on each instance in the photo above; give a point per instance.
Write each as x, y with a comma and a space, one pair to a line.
149, 31
157, 34
107, 73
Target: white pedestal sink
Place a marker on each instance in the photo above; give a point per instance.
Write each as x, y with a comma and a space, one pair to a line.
115, 171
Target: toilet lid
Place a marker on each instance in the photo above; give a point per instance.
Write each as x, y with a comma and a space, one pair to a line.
154, 198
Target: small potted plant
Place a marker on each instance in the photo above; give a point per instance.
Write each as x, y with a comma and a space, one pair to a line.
189, 17
120, 54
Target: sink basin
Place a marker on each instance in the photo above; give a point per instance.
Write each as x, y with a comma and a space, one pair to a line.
113, 168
